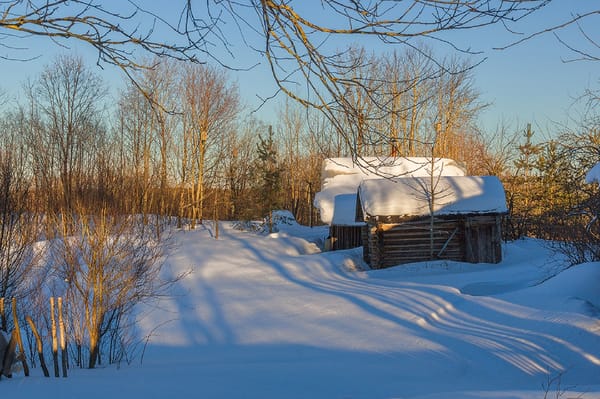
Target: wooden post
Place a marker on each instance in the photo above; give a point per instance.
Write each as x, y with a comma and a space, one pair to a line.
54, 340
9, 356
309, 204
2, 315
63, 338
4, 346
40, 345
17, 334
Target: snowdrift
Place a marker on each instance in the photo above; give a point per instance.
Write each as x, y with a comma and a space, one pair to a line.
270, 316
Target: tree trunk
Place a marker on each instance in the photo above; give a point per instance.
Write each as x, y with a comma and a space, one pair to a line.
39, 345
9, 356
63, 338
17, 335
2, 315
94, 349
216, 216
54, 338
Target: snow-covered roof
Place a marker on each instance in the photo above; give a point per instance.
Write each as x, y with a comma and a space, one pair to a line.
378, 167
341, 177
593, 176
409, 196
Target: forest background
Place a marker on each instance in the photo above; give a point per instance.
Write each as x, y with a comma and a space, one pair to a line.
199, 156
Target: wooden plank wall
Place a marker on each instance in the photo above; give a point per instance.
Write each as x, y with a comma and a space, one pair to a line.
364, 232
483, 239
345, 237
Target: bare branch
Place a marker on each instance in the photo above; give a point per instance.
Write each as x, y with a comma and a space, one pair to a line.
574, 20
295, 39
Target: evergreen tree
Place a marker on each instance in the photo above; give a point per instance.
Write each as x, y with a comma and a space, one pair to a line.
558, 186
527, 154
270, 174
522, 188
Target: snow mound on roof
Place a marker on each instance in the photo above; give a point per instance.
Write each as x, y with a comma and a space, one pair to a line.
593, 176
337, 200
341, 177
386, 167
409, 196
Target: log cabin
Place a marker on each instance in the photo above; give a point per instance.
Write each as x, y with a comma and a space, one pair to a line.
406, 220
340, 178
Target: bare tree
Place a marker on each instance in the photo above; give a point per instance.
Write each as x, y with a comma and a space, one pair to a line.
109, 264
300, 158
293, 42
18, 226
160, 84
239, 171
210, 108
585, 48
292, 131
145, 137
116, 32
403, 96
359, 111
295, 46
119, 33
135, 138
497, 153
67, 99
457, 108
407, 94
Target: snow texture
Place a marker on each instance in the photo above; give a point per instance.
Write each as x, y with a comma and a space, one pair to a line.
341, 177
593, 176
410, 196
271, 316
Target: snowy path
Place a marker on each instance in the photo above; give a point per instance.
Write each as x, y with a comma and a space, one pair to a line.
279, 297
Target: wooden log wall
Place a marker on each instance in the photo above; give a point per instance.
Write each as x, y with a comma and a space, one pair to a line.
474, 240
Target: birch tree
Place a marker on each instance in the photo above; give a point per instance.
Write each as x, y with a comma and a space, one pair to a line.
134, 121
210, 108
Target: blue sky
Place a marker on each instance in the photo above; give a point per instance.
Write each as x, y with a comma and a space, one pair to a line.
526, 83
535, 80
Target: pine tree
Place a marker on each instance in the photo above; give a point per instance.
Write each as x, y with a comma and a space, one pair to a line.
522, 190
558, 186
270, 173
527, 154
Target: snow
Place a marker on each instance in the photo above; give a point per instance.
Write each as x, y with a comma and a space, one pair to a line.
409, 196
593, 175
271, 316
341, 177
386, 167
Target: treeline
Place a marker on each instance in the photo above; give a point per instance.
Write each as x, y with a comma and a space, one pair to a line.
173, 146
176, 142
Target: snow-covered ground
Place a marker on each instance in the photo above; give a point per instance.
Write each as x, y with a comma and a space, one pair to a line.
274, 317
